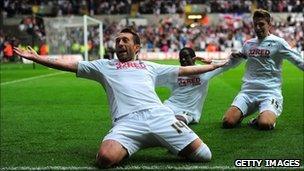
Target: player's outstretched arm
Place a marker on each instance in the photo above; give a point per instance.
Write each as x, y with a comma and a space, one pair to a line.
287, 52
292, 55
296, 59
30, 54
238, 55
234, 59
194, 70
206, 60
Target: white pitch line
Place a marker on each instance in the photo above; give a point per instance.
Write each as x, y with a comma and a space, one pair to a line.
31, 78
142, 167
49, 168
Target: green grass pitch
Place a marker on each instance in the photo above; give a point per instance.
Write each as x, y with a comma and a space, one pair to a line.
51, 118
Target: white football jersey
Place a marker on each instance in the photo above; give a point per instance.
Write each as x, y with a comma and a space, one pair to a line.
264, 64
130, 86
188, 93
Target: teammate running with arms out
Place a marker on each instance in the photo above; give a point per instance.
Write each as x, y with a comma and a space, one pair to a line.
261, 89
188, 93
139, 119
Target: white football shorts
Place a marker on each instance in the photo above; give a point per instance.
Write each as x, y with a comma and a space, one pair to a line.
187, 116
151, 128
250, 103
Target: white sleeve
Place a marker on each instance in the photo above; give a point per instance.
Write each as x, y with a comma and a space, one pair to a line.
165, 74
292, 55
90, 70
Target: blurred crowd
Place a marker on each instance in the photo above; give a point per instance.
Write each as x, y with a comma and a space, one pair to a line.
33, 25
167, 35
240, 6
229, 34
96, 7
6, 47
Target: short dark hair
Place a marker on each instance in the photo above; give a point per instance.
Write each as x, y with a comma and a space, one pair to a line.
186, 52
260, 13
136, 38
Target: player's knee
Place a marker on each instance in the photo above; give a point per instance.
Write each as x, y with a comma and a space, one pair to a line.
201, 154
228, 122
232, 118
266, 121
265, 125
104, 159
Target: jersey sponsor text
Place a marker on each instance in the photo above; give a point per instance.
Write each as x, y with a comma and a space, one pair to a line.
259, 52
189, 81
131, 64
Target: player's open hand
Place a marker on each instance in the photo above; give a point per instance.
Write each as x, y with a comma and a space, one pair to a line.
219, 63
28, 53
206, 60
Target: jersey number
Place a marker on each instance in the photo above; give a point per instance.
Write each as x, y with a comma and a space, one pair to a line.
275, 103
178, 126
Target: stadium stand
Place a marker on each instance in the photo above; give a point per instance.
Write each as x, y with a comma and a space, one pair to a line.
94, 7
164, 35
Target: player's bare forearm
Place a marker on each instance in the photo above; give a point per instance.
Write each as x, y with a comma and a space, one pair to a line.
30, 54
58, 64
205, 59
194, 70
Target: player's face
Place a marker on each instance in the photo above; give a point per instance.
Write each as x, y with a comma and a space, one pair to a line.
261, 27
125, 47
186, 61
